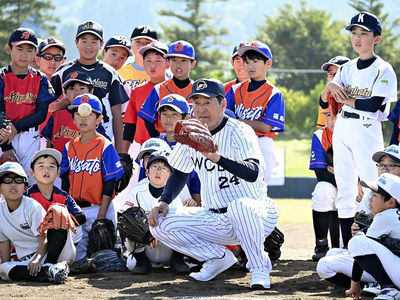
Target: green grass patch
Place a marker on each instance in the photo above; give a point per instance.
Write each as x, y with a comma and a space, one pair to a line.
294, 211
297, 155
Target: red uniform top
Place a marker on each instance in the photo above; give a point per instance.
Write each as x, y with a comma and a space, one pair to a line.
229, 84
138, 96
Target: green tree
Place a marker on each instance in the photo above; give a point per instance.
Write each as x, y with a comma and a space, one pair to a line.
302, 39
203, 33
35, 14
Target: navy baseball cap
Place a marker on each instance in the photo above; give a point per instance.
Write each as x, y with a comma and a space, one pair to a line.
119, 41
144, 31
155, 45
78, 76
91, 99
256, 46
335, 61
235, 49
207, 87
366, 21
90, 27
181, 49
177, 102
387, 184
51, 42
158, 155
23, 35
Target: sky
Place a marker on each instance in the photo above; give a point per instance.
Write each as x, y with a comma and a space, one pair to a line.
119, 17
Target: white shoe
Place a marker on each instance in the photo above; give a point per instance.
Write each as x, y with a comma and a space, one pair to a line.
260, 280
58, 272
212, 267
372, 288
388, 294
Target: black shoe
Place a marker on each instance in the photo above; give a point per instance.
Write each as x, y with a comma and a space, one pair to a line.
178, 265
143, 265
320, 249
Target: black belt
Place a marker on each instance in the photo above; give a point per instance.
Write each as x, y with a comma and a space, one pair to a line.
219, 210
348, 115
83, 203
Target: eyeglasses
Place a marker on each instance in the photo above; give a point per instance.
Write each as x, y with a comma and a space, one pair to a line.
331, 74
9, 180
48, 56
162, 169
388, 167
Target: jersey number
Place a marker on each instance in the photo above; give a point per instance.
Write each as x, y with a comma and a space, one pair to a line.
225, 181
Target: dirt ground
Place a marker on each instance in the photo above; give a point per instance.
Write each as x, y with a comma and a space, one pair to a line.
293, 277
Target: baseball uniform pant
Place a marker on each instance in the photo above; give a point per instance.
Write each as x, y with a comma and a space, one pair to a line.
201, 233
323, 197
354, 143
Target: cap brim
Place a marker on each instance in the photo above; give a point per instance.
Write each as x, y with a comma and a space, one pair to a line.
71, 107
77, 80
325, 66
156, 158
120, 46
378, 155
171, 105
179, 55
244, 49
145, 48
208, 95
143, 37
48, 151
54, 45
373, 186
348, 27
143, 152
24, 42
91, 32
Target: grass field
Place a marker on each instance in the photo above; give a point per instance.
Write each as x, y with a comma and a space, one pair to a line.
294, 211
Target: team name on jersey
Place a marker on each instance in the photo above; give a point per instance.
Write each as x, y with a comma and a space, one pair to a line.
134, 83
356, 92
91, 165
100, 84
24, 226
20, 98
67, 132
208, 164
250, 113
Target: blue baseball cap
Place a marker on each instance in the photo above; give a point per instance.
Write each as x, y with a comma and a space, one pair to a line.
90, 27
158, 155
78, 76
366, 21
256, 46
207, 87
156, 46
91, 99
335, 61
51, 42
23, 35
177, 102
14, 168
119, 41
181, 49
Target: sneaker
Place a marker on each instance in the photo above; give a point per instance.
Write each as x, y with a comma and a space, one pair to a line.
320, 249
58, 272
372, 288
178, 265
260, 280
143, 265
84, 265
212, 267
388, 294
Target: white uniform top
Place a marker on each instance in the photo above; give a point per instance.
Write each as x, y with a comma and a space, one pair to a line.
386, 222
140, 196
218, 187
378, 80
20, 226
365, 202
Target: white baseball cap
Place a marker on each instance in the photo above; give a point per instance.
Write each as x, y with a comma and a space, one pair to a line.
14, 168
387, 184
392, 151
152, 145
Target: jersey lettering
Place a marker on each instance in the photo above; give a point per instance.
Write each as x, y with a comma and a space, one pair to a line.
91, 165
20, 98
250, 113
66, 132
356, 92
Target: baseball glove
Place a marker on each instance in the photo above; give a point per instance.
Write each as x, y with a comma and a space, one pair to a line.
127, 164
329, 156
194, 134
3, 120
391, 243
334, 105
133, 225
273, 243
363, 220
58, 217
101, 241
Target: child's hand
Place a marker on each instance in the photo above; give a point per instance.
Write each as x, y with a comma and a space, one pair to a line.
360, 194
34, 266
14, 132
354, 291
354, 229
190, 202
338, 92
153, 244
5, 134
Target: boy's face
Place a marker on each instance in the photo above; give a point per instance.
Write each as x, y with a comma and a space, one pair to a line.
363, 41
12, 191
377, 203
45, 170
330, 121
257, 68
48, 67
168, 118
136, 44
158, 174
115, 57
145, 160
87, 124
155, 65
391, 164
88, 46
237, 64
76, 89
21, 55
181, 66
332, 70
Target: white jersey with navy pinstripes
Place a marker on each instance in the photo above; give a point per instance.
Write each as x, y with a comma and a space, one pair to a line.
219, 187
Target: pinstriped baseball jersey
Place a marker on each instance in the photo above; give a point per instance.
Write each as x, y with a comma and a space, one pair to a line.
219, 187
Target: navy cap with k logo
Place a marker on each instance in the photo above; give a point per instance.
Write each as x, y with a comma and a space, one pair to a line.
366, 21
